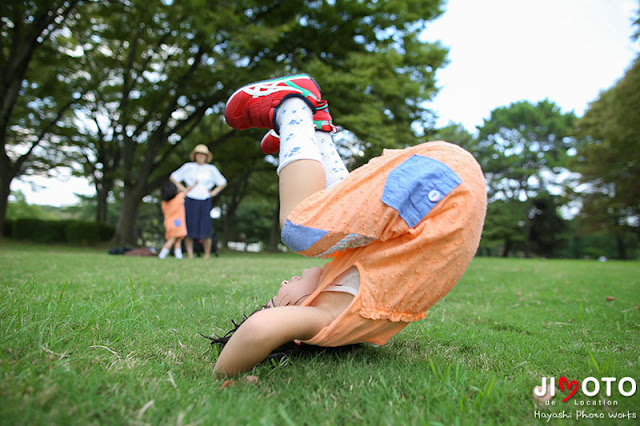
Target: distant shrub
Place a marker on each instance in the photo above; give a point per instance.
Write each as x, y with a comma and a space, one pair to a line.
38, 230
105, 231
77, 231
7, 228
61, 231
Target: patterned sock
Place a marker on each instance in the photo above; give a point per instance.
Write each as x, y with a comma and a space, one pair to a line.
334, 168
295, 119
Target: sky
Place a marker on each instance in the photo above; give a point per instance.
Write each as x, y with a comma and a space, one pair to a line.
500, 52
504, 51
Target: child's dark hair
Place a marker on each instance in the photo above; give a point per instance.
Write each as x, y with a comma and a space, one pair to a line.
169, 191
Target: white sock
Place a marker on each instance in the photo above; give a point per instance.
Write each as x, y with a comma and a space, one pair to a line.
334, 168
177, 252
163, 253
297, 131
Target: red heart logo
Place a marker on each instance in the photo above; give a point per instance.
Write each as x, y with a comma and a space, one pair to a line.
570, 386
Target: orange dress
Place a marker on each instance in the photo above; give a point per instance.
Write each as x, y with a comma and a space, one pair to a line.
410, 221
174, 220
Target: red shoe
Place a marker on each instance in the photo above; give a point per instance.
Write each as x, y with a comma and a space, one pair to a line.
323, 121
270, 143
254, 105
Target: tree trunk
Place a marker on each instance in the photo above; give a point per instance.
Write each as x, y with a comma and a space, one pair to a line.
507, 248
126, 231
101, 208
229, 221
238, 191
622, 251
5, 190
274, 238
103, 189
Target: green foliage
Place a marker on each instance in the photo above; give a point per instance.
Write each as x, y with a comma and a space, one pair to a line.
520, 142
523, 149
7, 228
547, 229
457, 134
608, 157
254, 220
505, 228
87, 232
35, 64
61, 231
19, 208
157, 68
37, 230
593, 245
85, 209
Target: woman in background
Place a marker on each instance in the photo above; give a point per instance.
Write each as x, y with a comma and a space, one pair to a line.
207, 182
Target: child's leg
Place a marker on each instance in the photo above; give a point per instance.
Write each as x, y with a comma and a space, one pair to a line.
334, 168
166, 247
286, 105
177, 248
300, 170
297, 181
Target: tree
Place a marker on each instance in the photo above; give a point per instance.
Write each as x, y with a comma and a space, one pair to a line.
20, 209
505, 227
547, 228
161, 67
457, 134
525, 150
607, 159
33, 53
154, 73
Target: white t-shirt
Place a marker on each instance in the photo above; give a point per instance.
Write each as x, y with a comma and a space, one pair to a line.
207, 176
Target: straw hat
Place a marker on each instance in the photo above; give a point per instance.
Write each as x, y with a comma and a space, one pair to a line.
201, 149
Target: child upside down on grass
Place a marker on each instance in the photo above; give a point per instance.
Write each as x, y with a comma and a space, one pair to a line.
401, 230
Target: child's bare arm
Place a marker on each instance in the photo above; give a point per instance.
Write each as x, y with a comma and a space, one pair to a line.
266, 330
189, 188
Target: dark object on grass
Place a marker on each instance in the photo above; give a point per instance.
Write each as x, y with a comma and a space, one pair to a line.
289, 350
143, 251
119, 250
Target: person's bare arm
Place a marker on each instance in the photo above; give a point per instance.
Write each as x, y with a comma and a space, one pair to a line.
266, 330
217, 190
180, 186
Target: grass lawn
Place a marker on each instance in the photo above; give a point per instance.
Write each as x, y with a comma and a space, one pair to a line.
89, 338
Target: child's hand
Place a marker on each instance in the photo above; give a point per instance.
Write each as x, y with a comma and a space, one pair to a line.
190, 187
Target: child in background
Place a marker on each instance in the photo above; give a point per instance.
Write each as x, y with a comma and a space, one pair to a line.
401, 230
174, 220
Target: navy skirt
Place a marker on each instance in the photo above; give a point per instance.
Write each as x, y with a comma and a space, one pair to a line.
197, 215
